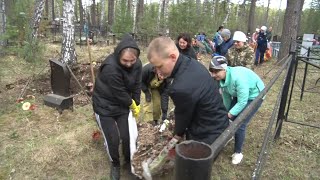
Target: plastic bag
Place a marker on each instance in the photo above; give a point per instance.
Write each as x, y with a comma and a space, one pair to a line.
133, 134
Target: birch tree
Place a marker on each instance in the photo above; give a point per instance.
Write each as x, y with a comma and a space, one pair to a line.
228, 13
2, 22
68, 50
39, 6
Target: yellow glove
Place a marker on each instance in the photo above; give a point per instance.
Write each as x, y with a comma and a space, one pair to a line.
135, 109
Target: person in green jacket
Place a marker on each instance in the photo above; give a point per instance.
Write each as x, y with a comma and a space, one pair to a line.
239, 87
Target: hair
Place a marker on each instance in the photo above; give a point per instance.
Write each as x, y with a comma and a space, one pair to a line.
131, 50
161, 46
220, 27
186, 37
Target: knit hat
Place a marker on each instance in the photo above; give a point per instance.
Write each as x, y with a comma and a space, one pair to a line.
225, 33
218, 62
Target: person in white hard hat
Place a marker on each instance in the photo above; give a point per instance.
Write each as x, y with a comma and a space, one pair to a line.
262, 45
240, 54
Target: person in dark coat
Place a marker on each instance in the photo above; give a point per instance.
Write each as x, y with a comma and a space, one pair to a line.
184, 45
262, 45
117, 90
227, 43
157, 99
199, 110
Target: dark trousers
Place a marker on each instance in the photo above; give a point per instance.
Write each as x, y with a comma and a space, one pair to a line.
241, 132
114, 128
259, 55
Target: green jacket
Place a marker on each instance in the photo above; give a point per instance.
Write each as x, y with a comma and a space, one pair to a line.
242, 83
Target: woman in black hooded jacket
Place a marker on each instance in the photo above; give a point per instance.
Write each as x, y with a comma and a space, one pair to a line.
116, 91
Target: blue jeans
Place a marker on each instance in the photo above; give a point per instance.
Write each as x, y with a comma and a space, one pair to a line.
241, 132
259, 54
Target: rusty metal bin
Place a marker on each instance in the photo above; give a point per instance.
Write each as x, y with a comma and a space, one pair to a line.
193, 161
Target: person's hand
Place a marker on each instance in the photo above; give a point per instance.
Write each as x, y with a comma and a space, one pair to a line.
178, 138
230, 116
135, 109
148, 96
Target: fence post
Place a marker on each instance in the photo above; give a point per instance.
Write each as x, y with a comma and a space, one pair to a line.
304, 75
283, 102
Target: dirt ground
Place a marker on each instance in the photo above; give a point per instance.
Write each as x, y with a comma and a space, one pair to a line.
43, 144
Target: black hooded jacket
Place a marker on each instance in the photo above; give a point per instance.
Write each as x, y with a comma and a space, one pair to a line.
148, 73
117, 85
199, 109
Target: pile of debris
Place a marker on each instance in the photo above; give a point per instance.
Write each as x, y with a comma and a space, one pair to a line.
150, 143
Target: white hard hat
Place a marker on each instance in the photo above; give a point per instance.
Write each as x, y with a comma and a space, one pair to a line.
263, 28
239, 36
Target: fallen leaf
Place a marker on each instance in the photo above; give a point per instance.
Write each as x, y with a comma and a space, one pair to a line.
32, 107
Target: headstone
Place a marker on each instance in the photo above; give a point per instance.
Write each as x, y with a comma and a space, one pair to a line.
60, 78
60, 84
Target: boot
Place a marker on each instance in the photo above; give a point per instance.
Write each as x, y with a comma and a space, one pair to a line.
155, 122
115, 173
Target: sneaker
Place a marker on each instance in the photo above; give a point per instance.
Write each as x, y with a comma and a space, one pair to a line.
236, 158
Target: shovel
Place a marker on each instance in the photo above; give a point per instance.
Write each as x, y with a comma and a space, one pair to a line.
151, 167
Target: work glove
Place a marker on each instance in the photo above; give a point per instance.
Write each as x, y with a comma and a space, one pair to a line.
135, 109
148, 96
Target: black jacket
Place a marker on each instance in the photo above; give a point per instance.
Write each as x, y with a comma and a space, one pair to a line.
262, 42
117, 85
148, 73
188, 52
199, 109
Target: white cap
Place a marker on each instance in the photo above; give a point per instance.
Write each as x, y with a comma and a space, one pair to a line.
239, 36
263, 28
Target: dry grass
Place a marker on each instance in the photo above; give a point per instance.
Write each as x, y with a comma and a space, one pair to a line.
42, 144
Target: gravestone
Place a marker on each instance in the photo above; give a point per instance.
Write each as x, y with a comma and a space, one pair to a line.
60, 85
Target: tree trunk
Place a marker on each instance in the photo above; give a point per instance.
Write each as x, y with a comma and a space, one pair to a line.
267, 14
251, 27
290, 26
93, 13
129, 6
198, 5
133, 14
2, 22
52, 10
68, 50
139, 14
81, 14
9, 7
103, 13
76, 11
46, 9
228, 13
110, 13
39, 6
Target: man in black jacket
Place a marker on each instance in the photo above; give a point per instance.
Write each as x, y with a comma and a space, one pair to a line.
157, 99
116, 91
199, 110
